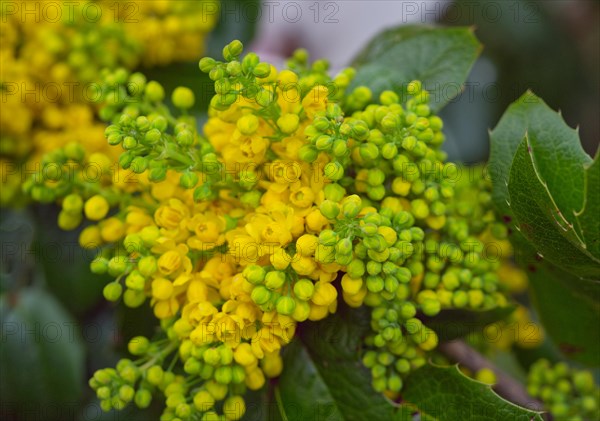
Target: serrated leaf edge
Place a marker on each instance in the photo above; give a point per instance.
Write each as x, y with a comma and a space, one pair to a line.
556, 211
486, 386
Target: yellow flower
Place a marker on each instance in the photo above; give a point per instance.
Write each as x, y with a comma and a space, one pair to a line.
315, 101
172, 215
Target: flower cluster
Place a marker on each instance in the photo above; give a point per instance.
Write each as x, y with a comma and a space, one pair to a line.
51, 66
299, 193
566, 392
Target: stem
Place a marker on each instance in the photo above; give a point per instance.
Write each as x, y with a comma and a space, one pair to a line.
506, 386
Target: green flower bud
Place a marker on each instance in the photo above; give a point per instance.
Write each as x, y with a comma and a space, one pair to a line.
285, 305
203, 193
262, 70
183, 98
152, 136
344, 246
126, 393
251, 198
185, 138
260, 295
324, 142
154, 91
112, 291
188, 180
328, 238
431, 307
254, 274
275, 279
375, 283
234, 68
99, 265
368, 151
139, 164
235, 48
304, 289
356, 269
308, 153
117, 265
460, 299
329, 209
223, 375
226, 355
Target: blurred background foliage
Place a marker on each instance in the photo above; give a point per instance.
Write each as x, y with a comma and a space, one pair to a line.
56, 327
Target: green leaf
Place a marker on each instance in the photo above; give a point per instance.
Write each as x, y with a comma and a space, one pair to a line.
441, 58
587, 218
455, 323
540, 220
42, 356
324, 377
445, 393
569, 315
559, 156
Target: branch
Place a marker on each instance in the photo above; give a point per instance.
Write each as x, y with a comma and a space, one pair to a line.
505, 386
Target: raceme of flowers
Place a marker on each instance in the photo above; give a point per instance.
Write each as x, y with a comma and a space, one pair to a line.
52, 54
299, 195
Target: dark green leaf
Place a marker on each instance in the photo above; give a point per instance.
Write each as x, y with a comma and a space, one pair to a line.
453, 324
41, 357
588, 219
558, 153
324, 377
445, 393
571, 316
539, 219
441, 58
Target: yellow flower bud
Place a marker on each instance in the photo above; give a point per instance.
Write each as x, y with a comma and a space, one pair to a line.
307, 244
304, 265
248, 124
288, 123
96, 208
255, 379
350, 285
280, 259
324, 294
162, 288
272, 364
243, 354
90, 237
112, 230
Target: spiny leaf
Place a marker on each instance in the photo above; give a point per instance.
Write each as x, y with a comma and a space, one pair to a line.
539, 219
558, 154
588, 219
445, 393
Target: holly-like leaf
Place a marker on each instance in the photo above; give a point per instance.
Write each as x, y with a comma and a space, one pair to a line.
558, 154
456, 323
571, 316
540, 220
445, 393
588, 220
324, 377
441, 58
